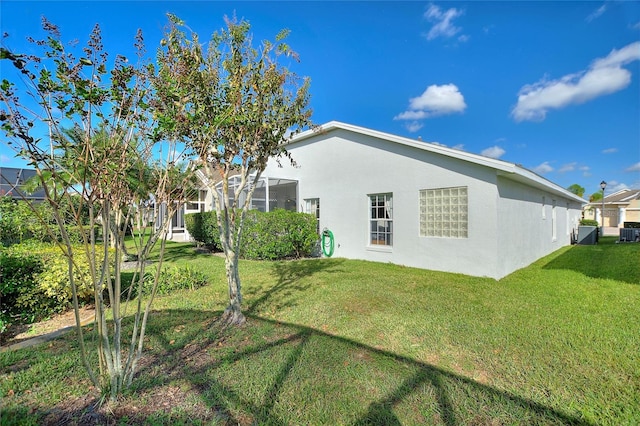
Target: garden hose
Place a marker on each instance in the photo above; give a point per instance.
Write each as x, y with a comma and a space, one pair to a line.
327, 242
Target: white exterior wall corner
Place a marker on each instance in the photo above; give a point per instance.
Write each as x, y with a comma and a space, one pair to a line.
526, 234
342, 164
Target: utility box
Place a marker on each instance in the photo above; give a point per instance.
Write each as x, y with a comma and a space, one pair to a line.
587, 235
629, 234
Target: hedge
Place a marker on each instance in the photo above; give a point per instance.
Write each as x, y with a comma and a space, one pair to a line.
203, 227
34, 281
279, 234
19, 223
589, 222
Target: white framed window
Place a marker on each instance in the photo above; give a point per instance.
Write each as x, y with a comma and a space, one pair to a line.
444, 212
312, 206
554, 225
381, 219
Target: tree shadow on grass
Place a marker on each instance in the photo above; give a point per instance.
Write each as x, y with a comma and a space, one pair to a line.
288, 286
606, 260
213, 363
195, 370
183, 251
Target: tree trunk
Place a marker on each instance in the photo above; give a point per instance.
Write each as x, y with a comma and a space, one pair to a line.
233, 314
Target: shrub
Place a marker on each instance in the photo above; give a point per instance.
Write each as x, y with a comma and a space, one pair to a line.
23, 301
173, 279
35, 280
19, 222
589, 222
203, 227
279, 234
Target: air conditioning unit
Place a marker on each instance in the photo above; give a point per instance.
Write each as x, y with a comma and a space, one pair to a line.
587, 235
629, 234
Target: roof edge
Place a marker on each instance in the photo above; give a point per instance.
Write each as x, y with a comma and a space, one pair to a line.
502, 166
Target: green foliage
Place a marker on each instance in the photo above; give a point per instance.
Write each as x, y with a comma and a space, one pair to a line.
18, 222
35, 280
596, 196
279, 234
22, 300
203, 227
577, 189
177, 278
589, 222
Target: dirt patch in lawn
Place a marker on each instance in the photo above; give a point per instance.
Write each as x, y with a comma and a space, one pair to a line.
17, 333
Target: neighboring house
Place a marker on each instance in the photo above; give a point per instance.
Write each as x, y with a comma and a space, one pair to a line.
620, 207
392, 199
12, 181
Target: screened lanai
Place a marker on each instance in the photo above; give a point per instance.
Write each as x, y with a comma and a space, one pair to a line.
280, 193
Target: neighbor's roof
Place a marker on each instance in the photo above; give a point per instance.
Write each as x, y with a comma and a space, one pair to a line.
12, 180
624, 196
504, 168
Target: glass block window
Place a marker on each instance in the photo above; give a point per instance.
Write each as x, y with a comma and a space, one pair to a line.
381, 219
444, 212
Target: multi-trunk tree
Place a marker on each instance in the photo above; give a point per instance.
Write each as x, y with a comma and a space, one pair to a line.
235, 106
84, 129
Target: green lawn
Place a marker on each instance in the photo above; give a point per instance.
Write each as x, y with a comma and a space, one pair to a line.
335, 341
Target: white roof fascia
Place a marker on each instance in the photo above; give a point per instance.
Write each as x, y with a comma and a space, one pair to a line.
504, 168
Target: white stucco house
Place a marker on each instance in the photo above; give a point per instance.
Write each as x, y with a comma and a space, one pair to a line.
393, 199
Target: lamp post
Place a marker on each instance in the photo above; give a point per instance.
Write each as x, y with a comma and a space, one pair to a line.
603, 185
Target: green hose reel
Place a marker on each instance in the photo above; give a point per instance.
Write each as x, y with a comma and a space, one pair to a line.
327, 242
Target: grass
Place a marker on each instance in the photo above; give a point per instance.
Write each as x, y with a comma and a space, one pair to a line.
335, 341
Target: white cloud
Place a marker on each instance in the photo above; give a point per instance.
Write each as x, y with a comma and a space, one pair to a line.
636, 26
603, 77
567, 168
614, 186
617, 58
414, 126
609, 150
411, 115
435, 101
4, 158
597, 13
543, 168
586, 171
493, 152
442, 22
438, 100
633, 168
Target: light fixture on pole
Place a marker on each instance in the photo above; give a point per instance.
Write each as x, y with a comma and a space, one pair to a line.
603, 185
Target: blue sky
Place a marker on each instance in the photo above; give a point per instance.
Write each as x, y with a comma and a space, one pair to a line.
553, 86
